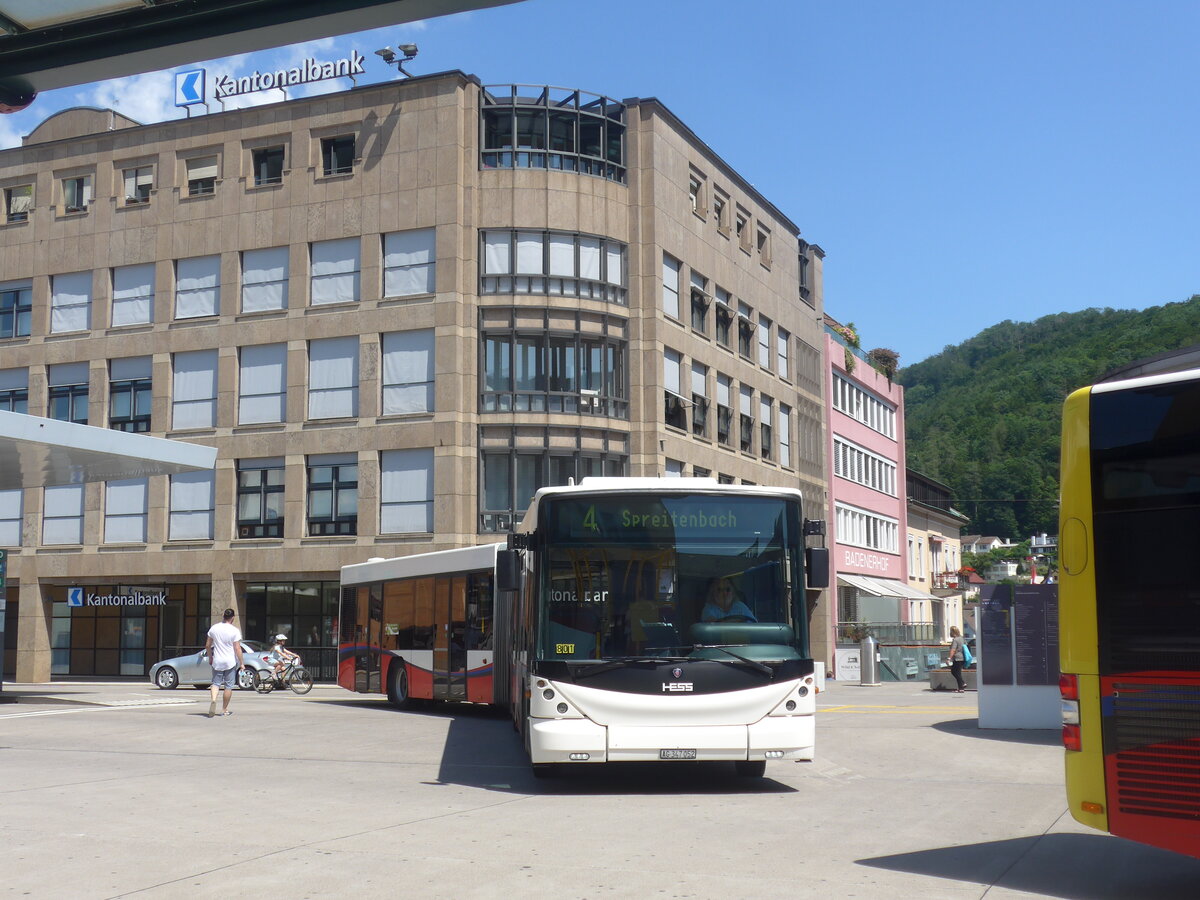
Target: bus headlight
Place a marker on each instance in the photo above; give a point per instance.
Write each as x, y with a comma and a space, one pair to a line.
548, 694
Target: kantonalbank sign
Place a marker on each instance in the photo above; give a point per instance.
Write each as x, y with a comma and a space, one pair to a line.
190, 83
78, 596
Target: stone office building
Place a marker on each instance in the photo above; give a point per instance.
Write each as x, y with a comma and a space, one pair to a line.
396, 311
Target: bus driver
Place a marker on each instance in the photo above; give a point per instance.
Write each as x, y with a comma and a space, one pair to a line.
723, 602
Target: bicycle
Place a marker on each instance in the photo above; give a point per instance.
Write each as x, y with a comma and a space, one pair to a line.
294, 675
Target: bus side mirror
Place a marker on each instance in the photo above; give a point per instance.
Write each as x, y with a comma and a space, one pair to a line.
508, 570
816, 565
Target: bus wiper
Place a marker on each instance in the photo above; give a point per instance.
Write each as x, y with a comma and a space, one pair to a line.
611, 664
762, 667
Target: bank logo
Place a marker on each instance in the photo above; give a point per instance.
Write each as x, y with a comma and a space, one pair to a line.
189, 87
74, 596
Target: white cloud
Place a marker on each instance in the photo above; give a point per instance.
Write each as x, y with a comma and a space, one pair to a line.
144, 98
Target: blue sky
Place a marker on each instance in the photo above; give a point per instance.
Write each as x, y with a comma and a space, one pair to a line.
961, 163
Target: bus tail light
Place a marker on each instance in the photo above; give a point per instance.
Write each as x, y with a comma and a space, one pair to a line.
1068, 686
1071, 738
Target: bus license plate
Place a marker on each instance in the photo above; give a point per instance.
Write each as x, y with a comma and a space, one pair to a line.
676, 754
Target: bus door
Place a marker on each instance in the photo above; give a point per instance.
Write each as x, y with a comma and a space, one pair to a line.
450, 647
374, 639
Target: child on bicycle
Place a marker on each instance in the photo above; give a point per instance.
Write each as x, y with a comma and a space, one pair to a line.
281, 655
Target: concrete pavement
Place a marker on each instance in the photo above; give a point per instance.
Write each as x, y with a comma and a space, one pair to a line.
122, 790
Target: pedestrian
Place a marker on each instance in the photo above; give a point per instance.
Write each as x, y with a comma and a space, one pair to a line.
224, 649
956, 658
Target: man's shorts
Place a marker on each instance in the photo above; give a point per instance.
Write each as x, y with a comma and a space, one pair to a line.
225, 678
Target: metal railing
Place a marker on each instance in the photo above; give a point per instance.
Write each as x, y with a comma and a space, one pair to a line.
890, 632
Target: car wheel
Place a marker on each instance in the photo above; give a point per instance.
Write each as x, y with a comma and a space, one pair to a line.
751, 768
398, 685
246, 679
167, 678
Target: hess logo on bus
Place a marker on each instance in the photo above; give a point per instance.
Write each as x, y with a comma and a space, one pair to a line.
677, 687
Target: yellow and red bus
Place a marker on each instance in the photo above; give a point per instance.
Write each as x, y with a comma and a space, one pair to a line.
1129, 602
628, 619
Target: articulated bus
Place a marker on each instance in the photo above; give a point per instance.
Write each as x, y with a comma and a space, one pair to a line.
627, 619
1129, 604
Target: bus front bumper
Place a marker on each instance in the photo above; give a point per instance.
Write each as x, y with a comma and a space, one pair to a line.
581, 740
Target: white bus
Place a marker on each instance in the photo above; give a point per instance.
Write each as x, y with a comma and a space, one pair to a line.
627, 619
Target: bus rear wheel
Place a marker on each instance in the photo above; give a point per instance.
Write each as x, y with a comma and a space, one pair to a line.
398, 687
751, 768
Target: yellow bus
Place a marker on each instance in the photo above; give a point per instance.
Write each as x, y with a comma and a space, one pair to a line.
1129, 602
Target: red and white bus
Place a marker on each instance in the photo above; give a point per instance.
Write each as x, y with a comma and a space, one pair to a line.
626, 619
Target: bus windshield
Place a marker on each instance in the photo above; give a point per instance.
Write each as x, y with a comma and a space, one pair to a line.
650, 575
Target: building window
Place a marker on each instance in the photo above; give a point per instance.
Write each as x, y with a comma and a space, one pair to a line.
409, 262
724, 316
129, 394
700, 301
670, 282
745, 330
11, 517
197, 287
554, 372
14, 392
406, 491
260, 497
18, 201
673, 468
762, 243
782, 343
62, 514
194, 394
764, 342
16, 309
125, 511
262, 384
724, 409
766, 438
201, 176
856, 403
337, 155
556, 263
785, 435
857, 464
554, 128
408, 366
335, 271
741, 228
191, 513
333, 378
699, 399
805, 293
138, 184
696, 196
265, 279
746, 407
860, 528
69, 392
333, 494
268, 165
133, 295
510, 479
77, 193
721, 212
674, 413
71, 302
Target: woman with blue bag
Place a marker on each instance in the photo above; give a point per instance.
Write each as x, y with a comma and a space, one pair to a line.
958, 650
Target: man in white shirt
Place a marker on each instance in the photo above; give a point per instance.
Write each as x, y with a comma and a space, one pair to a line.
224, 650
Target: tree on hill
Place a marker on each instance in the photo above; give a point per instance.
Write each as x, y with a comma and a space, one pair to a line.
984, 416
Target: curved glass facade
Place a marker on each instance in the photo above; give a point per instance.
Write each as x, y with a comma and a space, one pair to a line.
538, 127
522, 261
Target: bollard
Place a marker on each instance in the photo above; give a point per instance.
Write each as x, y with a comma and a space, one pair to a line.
868, 660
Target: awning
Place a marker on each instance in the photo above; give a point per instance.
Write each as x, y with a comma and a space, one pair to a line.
884, 587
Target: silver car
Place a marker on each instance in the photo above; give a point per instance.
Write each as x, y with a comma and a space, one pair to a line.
195, 669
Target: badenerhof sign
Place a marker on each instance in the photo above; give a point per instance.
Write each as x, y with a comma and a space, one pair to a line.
190, 84
78, 596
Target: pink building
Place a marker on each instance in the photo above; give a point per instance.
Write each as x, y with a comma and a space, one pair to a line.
867, 509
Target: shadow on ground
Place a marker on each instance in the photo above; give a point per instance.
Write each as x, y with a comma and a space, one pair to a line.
1069, 866
970, 728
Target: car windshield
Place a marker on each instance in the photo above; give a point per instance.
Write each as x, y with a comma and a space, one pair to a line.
650, 576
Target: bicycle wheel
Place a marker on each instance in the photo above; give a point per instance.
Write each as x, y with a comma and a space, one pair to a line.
264, 681
300, 681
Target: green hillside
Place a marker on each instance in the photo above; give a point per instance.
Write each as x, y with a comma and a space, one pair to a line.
983, 416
